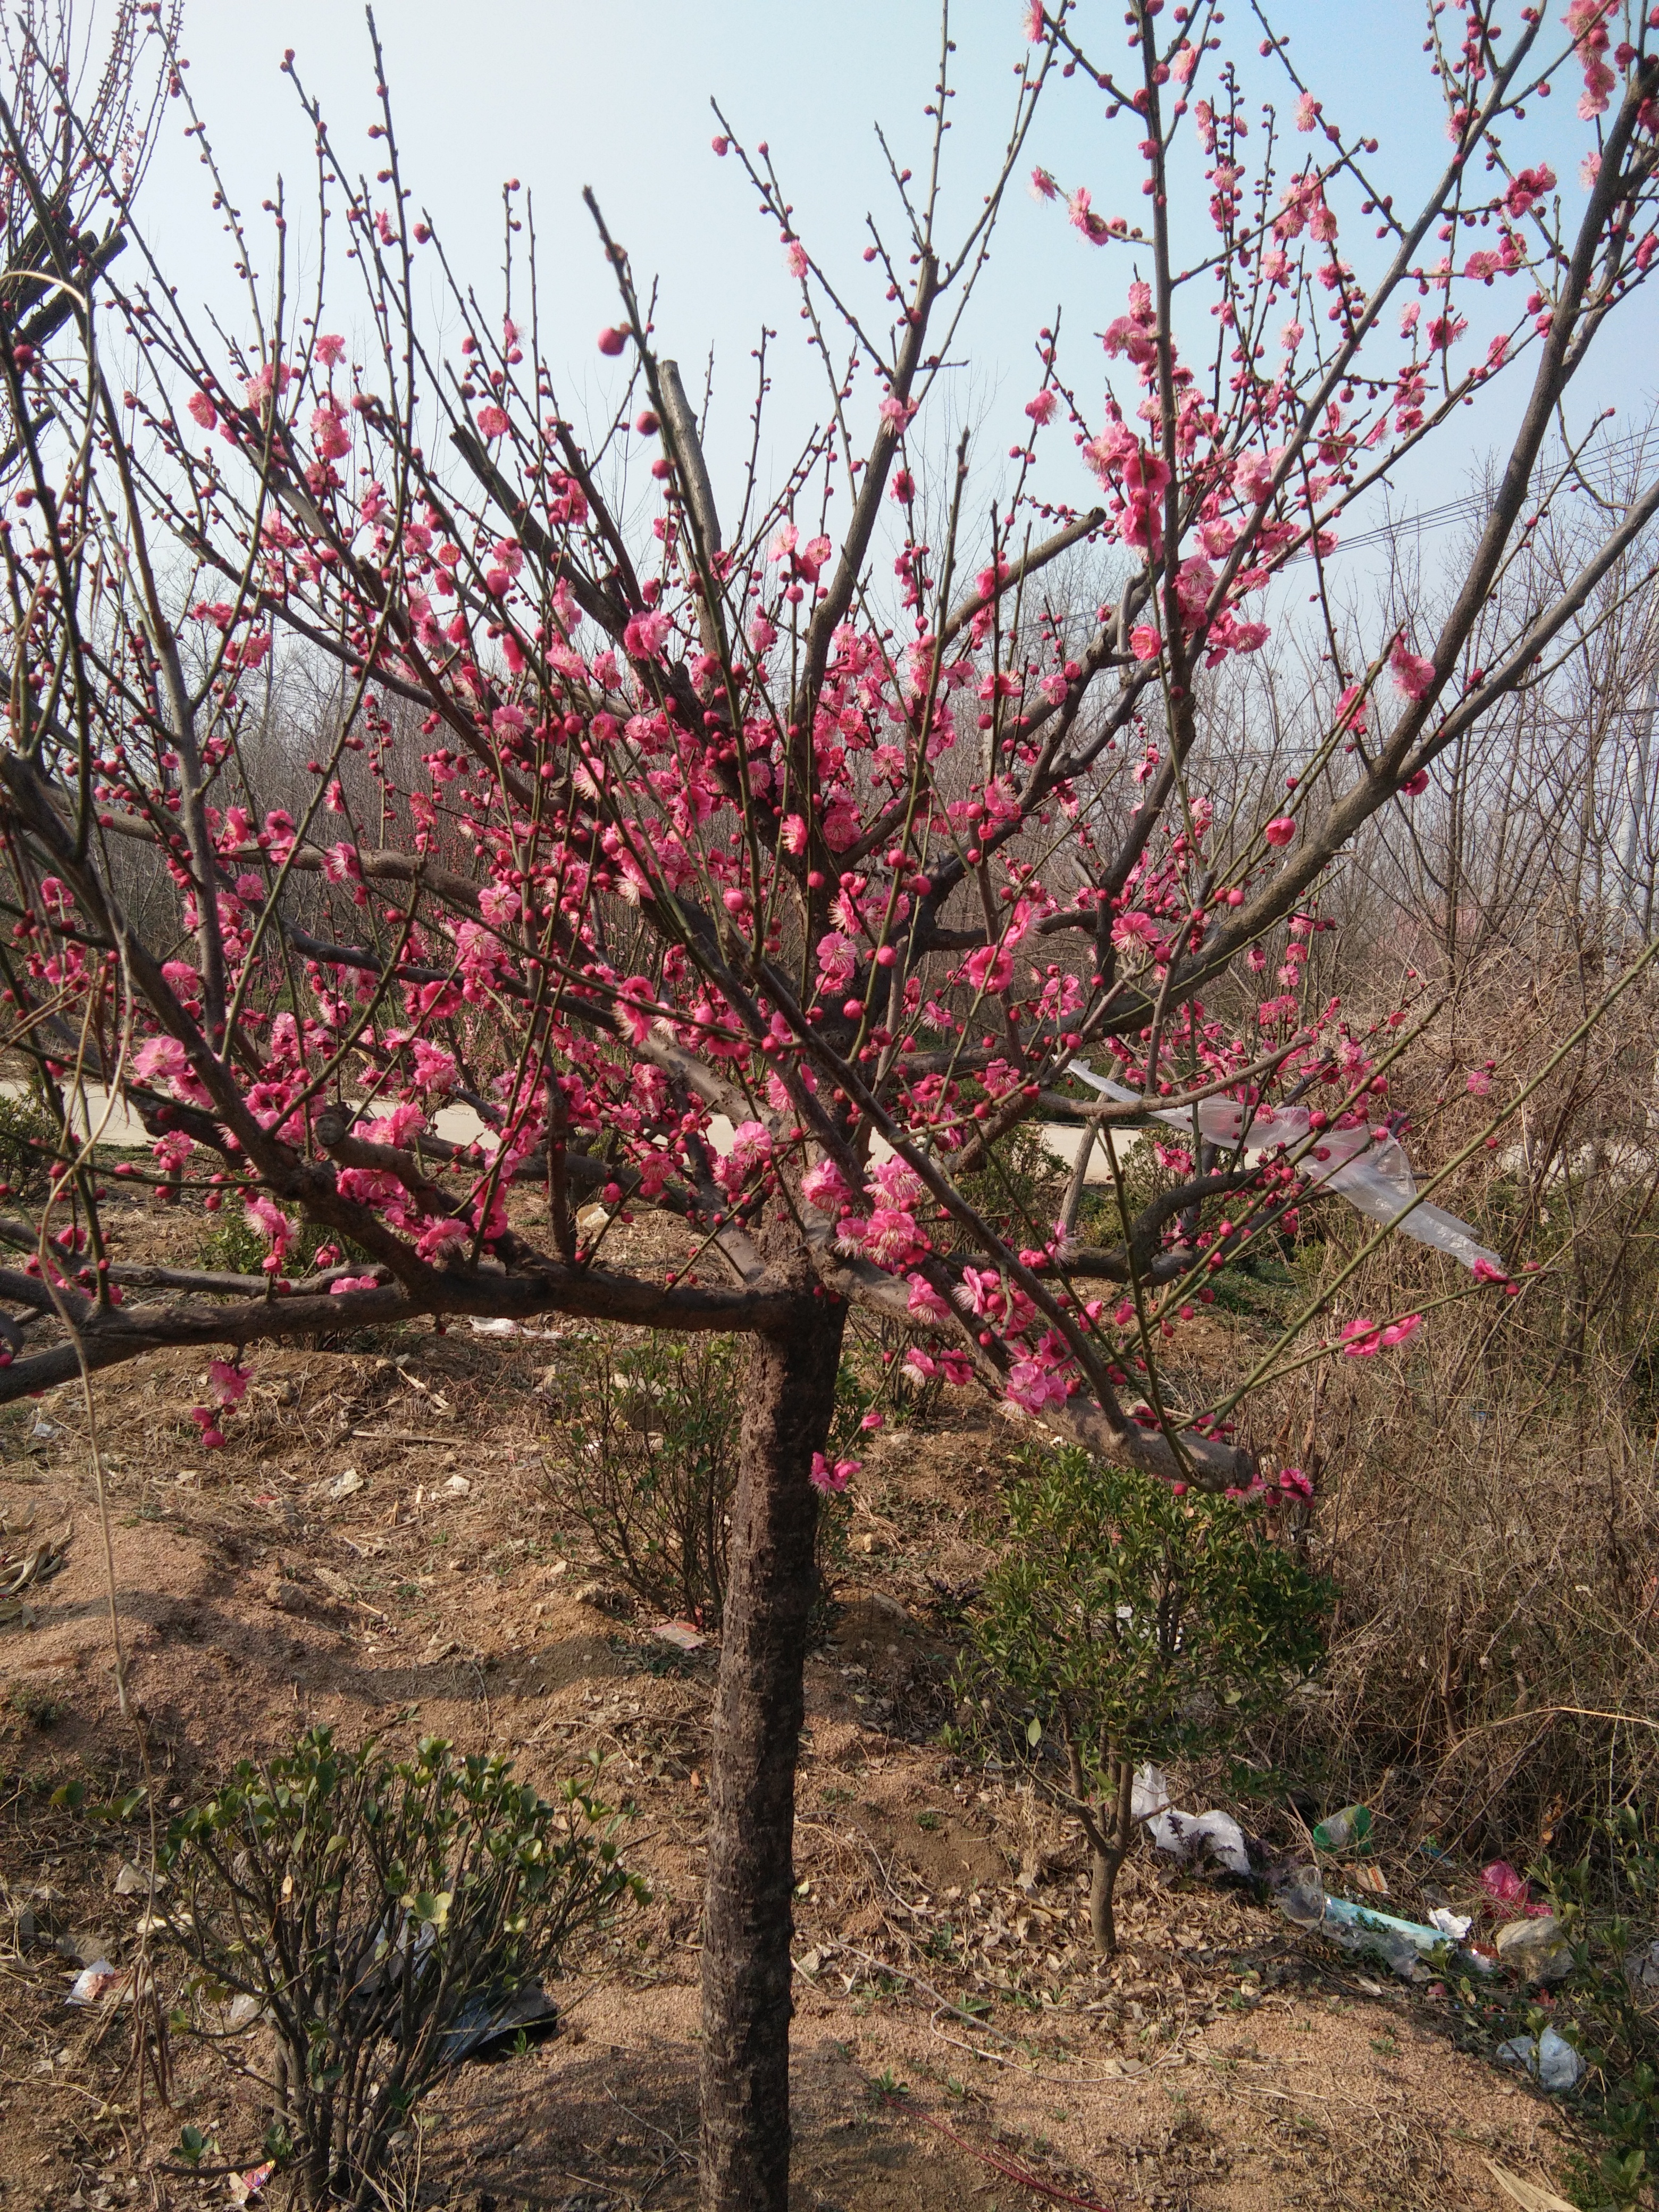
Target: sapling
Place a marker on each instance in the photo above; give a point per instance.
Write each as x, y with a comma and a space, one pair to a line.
1124, 1622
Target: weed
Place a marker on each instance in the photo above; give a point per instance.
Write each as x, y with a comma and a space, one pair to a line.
660, 1661
193, 2145
36, 1706
1607, 1904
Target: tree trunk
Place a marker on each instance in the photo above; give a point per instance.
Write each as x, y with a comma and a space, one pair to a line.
788, 1402
1102, 1880
1109, 1846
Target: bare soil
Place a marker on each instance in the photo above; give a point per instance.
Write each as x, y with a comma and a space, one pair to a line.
956, 2044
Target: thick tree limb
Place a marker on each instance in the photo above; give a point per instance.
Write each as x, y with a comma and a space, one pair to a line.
596, 1294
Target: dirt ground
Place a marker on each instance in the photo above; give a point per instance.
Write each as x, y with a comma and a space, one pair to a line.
956, 2044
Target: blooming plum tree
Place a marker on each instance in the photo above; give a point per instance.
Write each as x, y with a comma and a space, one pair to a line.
722, 877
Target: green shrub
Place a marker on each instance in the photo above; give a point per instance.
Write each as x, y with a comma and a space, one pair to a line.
1019, 1188
232, 1246
645, 1459
877, 1346
371, 1911
1123, 1623
1100, 1217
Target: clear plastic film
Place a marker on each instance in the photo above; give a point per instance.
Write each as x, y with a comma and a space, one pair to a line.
1366, 1166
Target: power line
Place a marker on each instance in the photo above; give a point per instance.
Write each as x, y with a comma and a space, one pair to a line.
1470, 506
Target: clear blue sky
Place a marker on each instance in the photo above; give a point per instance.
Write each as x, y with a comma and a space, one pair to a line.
615, 94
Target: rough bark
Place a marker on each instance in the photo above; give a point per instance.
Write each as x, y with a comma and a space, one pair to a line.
788, 1401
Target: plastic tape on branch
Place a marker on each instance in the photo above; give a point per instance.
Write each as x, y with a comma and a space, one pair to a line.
1372, 1172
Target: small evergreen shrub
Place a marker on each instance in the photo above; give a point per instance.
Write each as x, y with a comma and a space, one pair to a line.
1122, 1623
373, 1915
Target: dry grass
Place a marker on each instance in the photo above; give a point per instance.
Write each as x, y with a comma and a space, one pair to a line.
1490, 1496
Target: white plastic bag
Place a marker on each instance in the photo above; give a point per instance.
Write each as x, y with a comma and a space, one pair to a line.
1549, 2058
1367, 1167
1191, 1835
1149, 1792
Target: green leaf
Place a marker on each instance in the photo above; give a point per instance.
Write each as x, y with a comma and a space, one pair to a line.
1034, 1731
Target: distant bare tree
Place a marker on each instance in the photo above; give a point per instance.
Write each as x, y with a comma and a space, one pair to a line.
78, 113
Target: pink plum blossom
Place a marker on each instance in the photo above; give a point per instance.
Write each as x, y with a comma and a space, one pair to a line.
265, 1215
1411, 674
825, 1188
